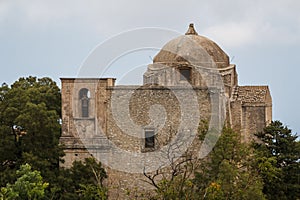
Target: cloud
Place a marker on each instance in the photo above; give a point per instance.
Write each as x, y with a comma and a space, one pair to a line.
69, 28
255, 23
5, 8
233, 23
232, 34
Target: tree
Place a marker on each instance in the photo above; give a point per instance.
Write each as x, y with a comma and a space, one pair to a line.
84, 180
29, 185
174, 182
278, 156
30, 128
228, 172
30, 112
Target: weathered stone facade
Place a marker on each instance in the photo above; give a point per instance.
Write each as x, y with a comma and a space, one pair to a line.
191, 79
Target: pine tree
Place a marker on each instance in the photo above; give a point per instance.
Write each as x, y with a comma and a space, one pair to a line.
278, 156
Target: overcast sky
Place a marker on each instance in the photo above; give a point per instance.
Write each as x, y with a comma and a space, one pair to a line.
52, 38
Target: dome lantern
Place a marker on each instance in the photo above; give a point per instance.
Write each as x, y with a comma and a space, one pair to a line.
191, 30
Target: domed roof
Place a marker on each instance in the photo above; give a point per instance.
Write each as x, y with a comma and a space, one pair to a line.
194, 49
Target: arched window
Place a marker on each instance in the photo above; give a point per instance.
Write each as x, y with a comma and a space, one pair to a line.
84, 96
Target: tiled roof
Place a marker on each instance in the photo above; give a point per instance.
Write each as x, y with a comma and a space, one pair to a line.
253, 94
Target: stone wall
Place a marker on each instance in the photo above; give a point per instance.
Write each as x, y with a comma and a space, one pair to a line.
74, 126
119, 115
144, 106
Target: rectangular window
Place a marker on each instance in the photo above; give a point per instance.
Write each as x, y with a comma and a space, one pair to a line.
149, 139
185, 74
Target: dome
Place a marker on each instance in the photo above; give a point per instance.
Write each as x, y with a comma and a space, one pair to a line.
192, 48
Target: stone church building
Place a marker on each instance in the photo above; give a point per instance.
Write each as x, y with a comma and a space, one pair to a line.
127, 127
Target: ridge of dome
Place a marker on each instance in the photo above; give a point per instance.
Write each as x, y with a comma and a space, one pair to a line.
191, 47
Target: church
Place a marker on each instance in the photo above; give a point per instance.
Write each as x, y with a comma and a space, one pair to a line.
133, 129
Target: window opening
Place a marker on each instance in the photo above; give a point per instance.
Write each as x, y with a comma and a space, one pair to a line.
185, 74
84, 95
149, 139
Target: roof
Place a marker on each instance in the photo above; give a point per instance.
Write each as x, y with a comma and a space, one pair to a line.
254, 94
192, 48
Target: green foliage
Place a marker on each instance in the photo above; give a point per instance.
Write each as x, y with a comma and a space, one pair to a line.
174, 182
29, 127
29, 185
30, 112
92, 192
179, 187
227, 172
278, 156
82, 180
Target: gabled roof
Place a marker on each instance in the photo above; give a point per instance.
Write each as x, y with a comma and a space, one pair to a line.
254, 94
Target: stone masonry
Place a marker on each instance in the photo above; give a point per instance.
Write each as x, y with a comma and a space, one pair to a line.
190, 80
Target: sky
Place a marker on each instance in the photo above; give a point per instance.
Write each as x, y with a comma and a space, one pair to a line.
53, 38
